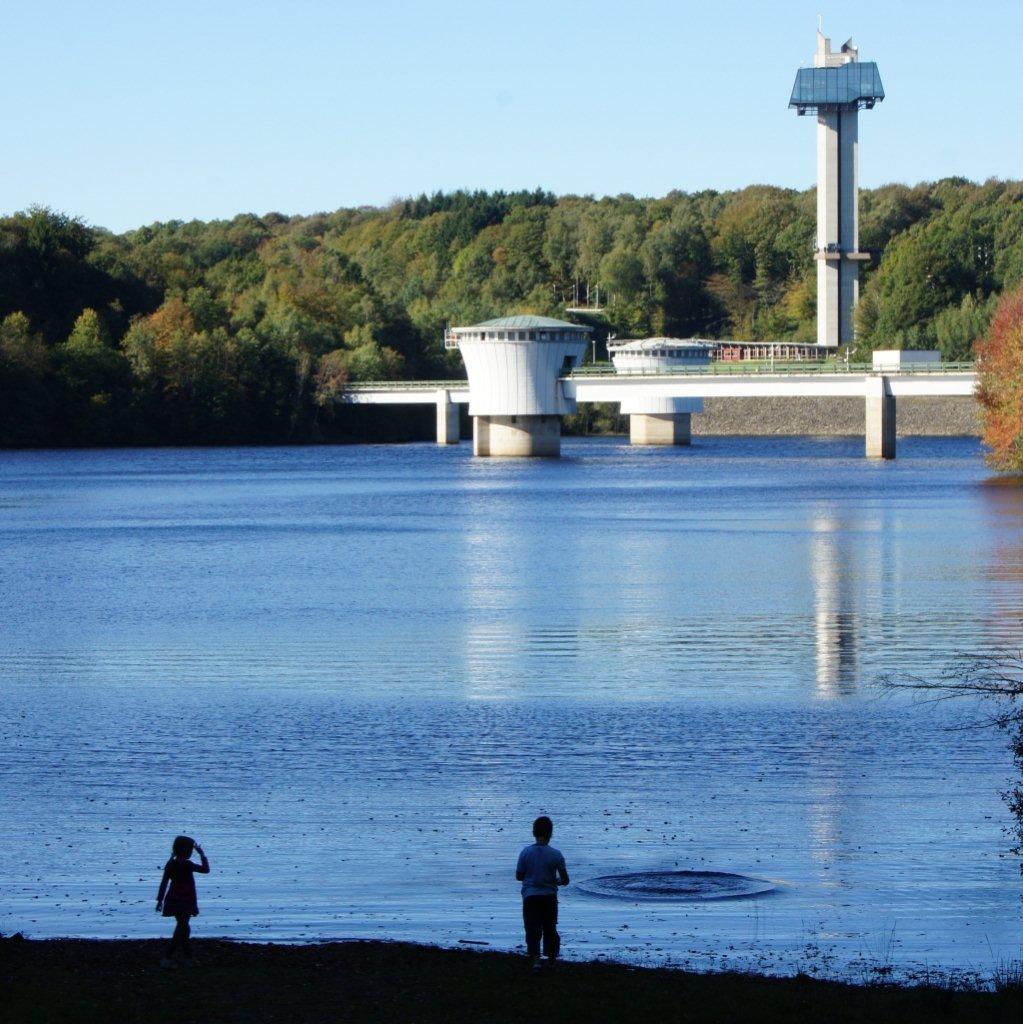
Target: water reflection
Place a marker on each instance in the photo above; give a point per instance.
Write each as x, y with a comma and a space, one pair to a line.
685, 602
1003, 501
490, 612
835, 616
516, 640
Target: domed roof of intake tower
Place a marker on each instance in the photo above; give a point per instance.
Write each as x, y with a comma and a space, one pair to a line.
528, 322
644, 345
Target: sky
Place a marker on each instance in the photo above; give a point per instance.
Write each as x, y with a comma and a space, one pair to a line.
129, 113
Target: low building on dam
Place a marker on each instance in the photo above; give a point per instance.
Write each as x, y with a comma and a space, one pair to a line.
660, 420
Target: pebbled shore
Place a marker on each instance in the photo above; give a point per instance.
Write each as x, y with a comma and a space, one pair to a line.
121, 982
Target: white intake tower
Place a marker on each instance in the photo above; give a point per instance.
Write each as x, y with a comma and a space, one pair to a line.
514, 365
657, 420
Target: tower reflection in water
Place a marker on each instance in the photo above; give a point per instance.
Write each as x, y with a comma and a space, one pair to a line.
523, 607
835, 614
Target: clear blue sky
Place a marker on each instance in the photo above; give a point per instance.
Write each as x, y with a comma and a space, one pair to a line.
126, 113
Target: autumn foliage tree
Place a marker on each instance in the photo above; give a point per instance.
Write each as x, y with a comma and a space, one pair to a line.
1000, 389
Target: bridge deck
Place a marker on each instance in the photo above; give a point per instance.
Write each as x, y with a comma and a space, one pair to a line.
719, 380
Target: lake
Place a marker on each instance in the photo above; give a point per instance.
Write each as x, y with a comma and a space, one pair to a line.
356, 674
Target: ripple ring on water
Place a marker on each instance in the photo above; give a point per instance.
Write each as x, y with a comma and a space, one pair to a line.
678, 886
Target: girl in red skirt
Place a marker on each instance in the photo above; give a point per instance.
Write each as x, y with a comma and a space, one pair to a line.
180, 902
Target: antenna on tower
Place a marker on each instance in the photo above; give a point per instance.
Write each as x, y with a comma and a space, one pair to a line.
820, 22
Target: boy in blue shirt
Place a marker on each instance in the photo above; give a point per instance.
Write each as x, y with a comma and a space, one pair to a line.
541, 869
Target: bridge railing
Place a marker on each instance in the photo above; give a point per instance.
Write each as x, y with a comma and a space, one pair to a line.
408, 385
726, 369
778, 368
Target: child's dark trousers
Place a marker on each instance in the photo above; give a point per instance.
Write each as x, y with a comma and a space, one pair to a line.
540, 916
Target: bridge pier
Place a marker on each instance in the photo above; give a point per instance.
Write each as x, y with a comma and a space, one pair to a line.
660, 428
880, 418
447, 419
657, 420
516, 435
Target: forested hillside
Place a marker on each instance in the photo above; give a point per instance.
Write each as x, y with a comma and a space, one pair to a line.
246, 330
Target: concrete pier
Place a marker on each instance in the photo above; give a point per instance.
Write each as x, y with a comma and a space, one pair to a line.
658, 419
447, 419
649, 428
880, 418
516, 435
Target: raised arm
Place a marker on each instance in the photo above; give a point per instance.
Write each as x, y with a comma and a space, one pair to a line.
204, 867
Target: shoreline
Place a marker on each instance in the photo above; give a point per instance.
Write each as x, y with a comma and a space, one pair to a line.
79, 980
947, 417
466, 439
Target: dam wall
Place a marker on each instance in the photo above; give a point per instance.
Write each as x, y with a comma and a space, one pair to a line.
923, 416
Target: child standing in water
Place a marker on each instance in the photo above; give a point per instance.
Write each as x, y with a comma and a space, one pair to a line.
180, 902
541, 869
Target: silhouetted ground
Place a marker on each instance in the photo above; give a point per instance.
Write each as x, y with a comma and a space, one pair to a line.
120, 981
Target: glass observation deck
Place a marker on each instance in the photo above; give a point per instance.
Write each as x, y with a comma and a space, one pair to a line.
852, 84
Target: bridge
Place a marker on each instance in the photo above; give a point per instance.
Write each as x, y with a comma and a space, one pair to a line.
879, 390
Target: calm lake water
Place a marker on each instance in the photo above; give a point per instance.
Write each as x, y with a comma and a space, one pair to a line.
356, 675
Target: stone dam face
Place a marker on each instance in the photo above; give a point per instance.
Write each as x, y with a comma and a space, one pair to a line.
929, 416
822, 417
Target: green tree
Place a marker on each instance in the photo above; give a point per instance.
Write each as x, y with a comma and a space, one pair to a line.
25, 400
96, 380
365, 359
956, 328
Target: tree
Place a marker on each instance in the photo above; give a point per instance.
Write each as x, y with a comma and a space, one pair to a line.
88, 361
95, 378
191, 379
25, 403
956, 328
47, 272
331, 377
996, 677
21, 350
1000, 383
367, 360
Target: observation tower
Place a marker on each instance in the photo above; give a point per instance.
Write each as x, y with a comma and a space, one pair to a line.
835, 89
514, 365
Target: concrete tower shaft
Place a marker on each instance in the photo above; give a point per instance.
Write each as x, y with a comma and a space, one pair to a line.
838, 224
835, 88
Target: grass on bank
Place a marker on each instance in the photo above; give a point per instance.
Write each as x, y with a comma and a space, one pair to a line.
121, 982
